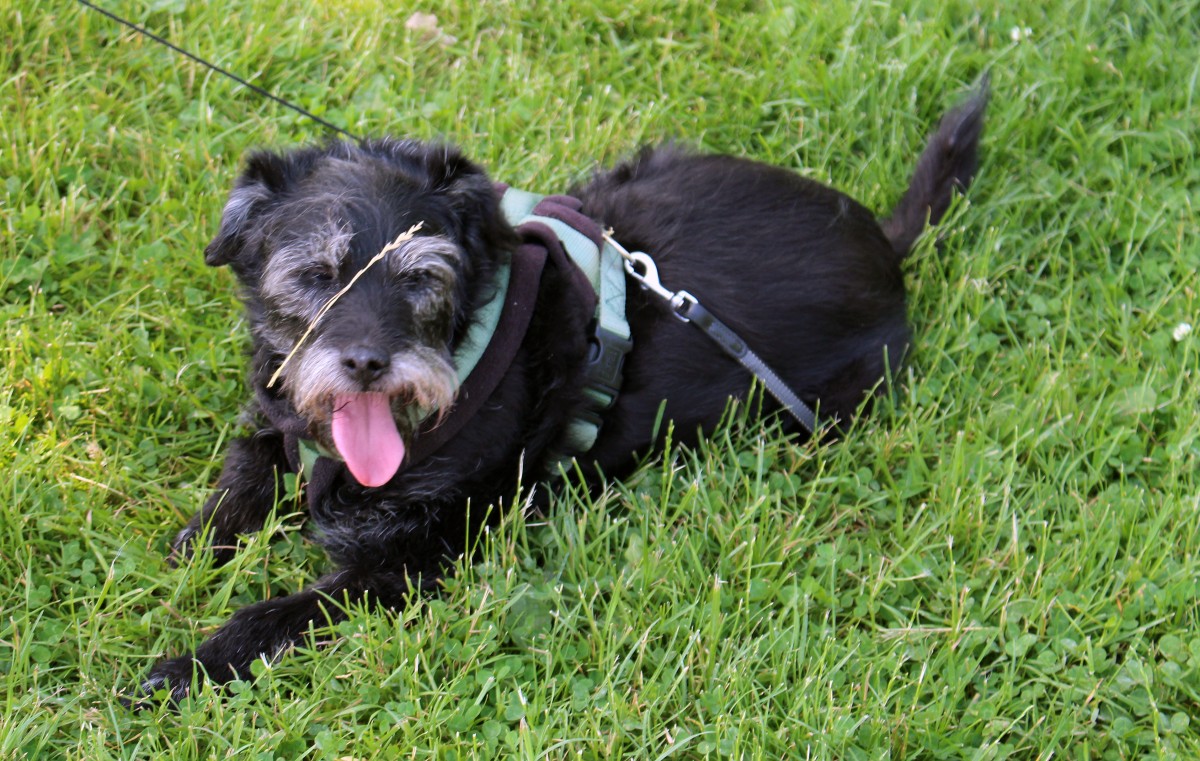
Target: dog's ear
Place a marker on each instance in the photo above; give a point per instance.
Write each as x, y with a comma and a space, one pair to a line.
473, 201
475, 218
266, 176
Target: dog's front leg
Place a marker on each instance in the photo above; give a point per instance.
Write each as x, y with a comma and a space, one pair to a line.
268, 628
250, 484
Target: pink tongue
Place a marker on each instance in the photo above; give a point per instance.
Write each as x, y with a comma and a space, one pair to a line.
366, 437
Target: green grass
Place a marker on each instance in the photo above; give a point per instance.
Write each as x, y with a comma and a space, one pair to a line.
1003, 562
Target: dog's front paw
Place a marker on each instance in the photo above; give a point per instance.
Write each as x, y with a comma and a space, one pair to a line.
183, 546
193, 539
175, 676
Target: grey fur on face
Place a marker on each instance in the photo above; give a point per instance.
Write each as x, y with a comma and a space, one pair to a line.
430, 266
420, 377
415, 372
299, 273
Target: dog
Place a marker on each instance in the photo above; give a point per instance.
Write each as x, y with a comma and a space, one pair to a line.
806, 275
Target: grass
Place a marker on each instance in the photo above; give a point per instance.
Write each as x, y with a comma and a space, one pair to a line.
1003, 562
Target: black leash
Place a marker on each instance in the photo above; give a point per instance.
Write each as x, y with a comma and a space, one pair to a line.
732, 344
684, 305
218, 69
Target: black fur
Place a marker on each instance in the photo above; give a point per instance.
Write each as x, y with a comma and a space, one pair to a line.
803, 272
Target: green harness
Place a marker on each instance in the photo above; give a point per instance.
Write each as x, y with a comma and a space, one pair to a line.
611, 337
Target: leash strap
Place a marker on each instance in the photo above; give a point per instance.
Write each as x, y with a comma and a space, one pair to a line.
734, 346
686, 307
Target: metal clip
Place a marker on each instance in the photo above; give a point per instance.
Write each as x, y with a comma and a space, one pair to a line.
642, 268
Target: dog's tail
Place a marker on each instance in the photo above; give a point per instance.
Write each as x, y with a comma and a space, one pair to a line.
947, 164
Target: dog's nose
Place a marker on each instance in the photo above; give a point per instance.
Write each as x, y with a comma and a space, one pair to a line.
366, 364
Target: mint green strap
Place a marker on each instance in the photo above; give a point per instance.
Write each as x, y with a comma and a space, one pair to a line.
604, 269
518, 204
483, 327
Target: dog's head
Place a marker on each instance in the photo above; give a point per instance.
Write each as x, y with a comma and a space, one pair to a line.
299, 226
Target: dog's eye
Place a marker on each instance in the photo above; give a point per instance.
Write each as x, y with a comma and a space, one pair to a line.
318, 275
419, 279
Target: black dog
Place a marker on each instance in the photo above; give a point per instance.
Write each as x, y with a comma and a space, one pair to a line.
804, 273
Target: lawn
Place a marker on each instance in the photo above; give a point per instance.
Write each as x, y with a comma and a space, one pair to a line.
1003, 561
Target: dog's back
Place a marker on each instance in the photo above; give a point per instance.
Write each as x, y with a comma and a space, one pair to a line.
807, 275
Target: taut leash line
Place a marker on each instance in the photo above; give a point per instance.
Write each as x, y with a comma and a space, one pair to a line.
218, 69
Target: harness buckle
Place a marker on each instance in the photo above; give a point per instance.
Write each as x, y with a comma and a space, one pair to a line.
603, 373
